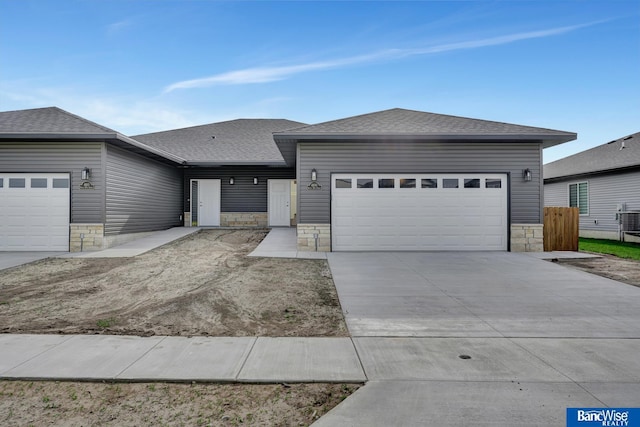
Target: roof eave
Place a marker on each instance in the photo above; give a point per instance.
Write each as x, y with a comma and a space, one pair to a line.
591, 173
546, 139
58, 135
150, 149
214, 163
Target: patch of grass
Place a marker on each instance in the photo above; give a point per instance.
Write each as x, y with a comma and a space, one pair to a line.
611, 247
106, 323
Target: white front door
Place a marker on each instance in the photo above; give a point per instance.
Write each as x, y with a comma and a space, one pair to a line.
208, 202
34, 212
279, 202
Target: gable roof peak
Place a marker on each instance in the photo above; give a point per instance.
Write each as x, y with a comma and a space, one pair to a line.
400, 123
48, 120
238, 141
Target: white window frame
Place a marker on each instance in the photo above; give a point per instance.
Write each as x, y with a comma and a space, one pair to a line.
577, 184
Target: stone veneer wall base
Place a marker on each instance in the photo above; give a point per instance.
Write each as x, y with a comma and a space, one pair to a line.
527, 238
244, 219
307, 237
236, 219
93, 237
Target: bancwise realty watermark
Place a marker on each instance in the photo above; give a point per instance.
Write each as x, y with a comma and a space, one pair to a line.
605, 417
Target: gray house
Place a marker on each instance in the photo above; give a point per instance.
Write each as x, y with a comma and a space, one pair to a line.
392, 180
604, 183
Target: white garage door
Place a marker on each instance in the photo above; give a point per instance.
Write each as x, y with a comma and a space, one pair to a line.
375, 212
34, 212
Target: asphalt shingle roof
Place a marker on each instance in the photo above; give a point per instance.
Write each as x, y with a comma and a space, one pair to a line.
241, 141
48, 120
401, 122
54, 124
605, 157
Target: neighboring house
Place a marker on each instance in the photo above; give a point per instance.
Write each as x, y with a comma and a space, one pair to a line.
604, 183
392, 180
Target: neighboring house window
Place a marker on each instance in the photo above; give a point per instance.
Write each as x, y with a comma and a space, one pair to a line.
579, 197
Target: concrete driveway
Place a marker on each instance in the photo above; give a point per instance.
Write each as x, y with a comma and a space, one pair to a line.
535, 338
479, 294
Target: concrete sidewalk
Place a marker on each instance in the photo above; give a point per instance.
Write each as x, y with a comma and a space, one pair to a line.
134, 248
282, 243
138, 246
12, 259
202, 359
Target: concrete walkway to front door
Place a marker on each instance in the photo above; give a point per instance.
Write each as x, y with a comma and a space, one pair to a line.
490, 338
281, 242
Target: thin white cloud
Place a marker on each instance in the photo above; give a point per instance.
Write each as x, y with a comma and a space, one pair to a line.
125, 114
270, 74
117, 27
128, 113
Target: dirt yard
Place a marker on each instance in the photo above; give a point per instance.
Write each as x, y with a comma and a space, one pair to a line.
612, 267
88, 404
201, 285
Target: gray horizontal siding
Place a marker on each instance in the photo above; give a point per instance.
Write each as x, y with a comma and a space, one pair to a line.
556, 194
412, 157
87, 206
243, 196
142, 194
606, 191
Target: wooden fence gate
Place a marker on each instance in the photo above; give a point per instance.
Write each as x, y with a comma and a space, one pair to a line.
561, 227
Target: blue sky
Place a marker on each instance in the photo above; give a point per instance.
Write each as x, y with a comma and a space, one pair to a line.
144, 66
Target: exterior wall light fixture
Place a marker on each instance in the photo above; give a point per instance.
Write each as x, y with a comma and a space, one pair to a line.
526, 174
232, 181
85, 174
314, 181
255, 180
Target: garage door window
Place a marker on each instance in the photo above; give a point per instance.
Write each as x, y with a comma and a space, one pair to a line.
365, 183
60, 183
1, 182
38, 182
429, 183
472, 183
449, 183
343, 183
386, 183
493, 183
407, 183
16, 182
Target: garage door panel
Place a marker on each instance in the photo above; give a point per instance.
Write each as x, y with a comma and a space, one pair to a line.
420, 218
34, 217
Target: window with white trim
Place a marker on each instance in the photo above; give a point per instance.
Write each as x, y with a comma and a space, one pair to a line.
579, 197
